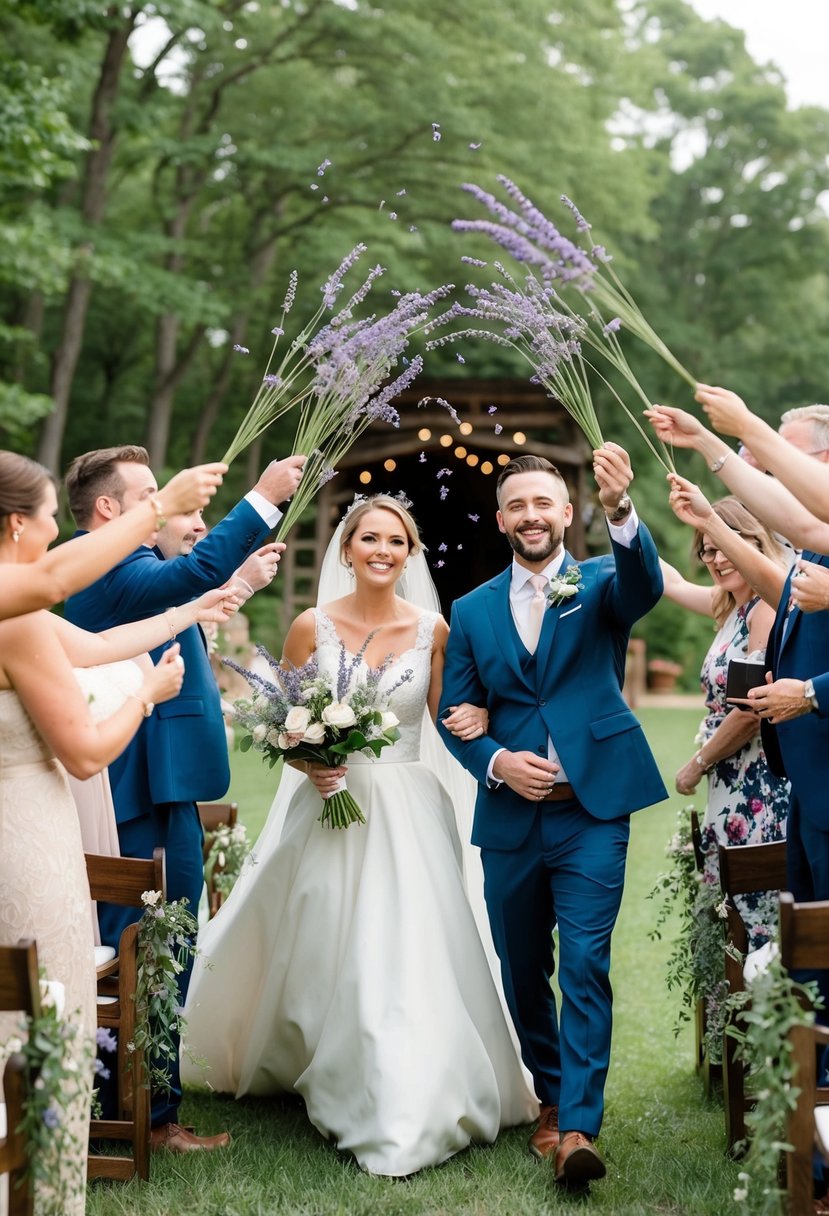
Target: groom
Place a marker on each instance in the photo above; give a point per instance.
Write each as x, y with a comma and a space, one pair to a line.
543, 646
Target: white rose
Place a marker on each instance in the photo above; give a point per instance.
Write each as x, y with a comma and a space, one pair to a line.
566, 590
339, 714
315, 733
13, 1045
274, 737
259, 732
150, 898
388, 720
297, 719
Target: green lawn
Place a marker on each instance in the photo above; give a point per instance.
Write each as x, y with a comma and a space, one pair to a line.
662, 1141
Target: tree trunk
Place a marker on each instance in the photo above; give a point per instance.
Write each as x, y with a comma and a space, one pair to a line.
102, 134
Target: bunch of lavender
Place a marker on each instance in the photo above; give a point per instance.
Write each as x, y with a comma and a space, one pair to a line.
301, 714
534, 240
531, 323
351, 362
334, 374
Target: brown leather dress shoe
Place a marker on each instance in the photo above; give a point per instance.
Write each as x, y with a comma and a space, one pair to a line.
577, 1161
176, 1139
545, 1139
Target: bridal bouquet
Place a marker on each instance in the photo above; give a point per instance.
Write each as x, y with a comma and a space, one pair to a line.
303, 714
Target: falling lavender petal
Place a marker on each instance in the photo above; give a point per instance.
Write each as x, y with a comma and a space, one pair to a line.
443, 473
442, 547
392, 215
242, 350
412, 227
460, 546
400, 193
474, 147
439, 563
326, 164
492, 409
444, 490
474, 518
422, 457
314, 186
436, 132
325, 199
277, 331
460, 358
498, 428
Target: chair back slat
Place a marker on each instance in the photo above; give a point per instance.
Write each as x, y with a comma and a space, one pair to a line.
804, 934
123, 880
19, 980
752, 867
212, 814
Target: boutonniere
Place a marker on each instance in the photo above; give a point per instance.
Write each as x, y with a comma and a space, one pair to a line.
564, 586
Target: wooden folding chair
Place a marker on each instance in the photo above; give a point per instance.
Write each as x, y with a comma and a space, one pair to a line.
804, 946
19, 992
214, 815
123, 880
743, 870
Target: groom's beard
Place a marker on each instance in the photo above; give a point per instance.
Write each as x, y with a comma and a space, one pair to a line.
539, 550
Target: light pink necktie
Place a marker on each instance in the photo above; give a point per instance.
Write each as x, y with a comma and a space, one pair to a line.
535, 612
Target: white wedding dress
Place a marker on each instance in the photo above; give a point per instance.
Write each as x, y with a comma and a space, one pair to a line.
347, 967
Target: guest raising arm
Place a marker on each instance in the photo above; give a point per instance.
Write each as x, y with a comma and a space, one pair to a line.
69, 567
797, 469
767, 499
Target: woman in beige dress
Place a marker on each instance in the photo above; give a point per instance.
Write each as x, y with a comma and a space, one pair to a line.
45, 723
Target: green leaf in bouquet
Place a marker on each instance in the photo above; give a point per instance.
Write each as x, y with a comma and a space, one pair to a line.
355, 742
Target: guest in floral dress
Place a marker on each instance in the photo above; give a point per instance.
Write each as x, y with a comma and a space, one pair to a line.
746, 804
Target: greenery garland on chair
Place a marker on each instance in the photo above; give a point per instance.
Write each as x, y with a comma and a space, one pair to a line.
166, 943
695, 964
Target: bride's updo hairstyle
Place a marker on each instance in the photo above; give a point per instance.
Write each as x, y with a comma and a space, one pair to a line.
385, 502
23, 485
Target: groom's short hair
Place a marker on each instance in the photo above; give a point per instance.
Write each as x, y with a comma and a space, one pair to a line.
529, 464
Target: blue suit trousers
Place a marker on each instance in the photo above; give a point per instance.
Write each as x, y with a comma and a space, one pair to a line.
569, 872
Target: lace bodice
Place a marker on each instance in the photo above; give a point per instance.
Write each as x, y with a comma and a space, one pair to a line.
19, 741
408, 700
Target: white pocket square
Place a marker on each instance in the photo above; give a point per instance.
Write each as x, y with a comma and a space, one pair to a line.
570, 611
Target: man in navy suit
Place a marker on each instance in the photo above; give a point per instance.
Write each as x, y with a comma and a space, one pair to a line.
564, 763
179, 757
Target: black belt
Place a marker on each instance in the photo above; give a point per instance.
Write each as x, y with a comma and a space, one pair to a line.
562, 791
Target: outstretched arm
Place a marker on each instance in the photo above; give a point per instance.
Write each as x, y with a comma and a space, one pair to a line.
68, 568
763, 575
685, 593
768, 499
807, 478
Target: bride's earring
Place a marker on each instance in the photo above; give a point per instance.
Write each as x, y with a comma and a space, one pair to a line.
16, 535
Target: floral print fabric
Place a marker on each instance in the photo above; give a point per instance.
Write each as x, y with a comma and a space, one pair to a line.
747, 804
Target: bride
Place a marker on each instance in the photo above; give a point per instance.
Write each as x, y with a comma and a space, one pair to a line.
346, 966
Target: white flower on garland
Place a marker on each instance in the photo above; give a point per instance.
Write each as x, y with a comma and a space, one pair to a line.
564, 586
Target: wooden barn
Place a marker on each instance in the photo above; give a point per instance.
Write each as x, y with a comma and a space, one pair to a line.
449, 472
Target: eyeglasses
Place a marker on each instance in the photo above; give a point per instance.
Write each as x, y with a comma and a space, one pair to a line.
708, 554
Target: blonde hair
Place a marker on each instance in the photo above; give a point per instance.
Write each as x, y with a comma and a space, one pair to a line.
817, 416
384, 502
732, 512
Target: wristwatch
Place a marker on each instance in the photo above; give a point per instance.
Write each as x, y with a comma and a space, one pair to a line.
622, 510
810, 695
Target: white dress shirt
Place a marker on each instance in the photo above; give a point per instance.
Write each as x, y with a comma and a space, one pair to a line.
521, 593
262, 506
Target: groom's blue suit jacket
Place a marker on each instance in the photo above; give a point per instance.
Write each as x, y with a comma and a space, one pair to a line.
573, 694
798, 648
180, 753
